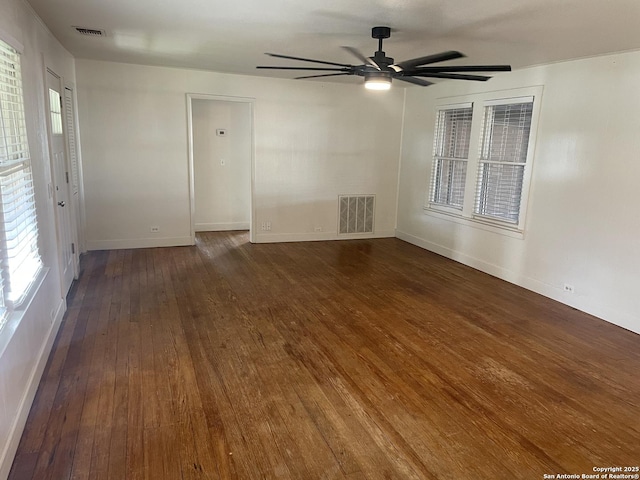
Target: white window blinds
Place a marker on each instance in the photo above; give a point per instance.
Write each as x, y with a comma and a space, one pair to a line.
18, 226
451, 153
503, 156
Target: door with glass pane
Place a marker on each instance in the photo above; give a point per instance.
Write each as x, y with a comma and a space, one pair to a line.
60, 176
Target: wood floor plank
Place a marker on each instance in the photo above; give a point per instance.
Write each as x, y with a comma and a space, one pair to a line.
37, 421
365, 359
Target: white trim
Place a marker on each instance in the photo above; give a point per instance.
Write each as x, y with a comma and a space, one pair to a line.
554, 292
454, 106
319, 236
78, 202
221, 227
192, 180
509, 100
192, 200
502, 94
127, 243
14, 317
404, 111
475, 222
82, 217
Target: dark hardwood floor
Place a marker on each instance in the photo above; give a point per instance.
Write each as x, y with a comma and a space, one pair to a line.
324, 360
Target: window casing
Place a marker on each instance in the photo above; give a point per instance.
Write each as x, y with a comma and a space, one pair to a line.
19, 257
500, 135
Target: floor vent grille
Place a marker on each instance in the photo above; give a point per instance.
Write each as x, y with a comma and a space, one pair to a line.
356, 213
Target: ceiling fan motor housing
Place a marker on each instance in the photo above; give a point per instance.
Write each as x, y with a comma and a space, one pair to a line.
381, 59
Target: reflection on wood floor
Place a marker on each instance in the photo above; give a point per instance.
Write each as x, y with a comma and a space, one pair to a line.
363, 359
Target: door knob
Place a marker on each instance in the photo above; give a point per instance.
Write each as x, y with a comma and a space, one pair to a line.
62, 204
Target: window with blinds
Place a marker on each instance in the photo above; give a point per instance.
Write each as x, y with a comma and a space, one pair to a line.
20, 260
482, 156
503, 156
451, 153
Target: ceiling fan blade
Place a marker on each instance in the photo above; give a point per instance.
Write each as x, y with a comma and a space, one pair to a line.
462, 68
277, 55
326, 75
438, 57
356, 53
415, 81
316, 69
452, 76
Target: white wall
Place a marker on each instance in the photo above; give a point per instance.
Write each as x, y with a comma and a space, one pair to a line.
221, 164
26, 340
313, 141
582, 222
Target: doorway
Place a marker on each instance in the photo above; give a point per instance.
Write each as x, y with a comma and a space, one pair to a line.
221, 159
60, 183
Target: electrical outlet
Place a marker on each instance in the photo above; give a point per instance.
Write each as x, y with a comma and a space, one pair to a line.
317, 229
268, 226
265, 226
569, 288
155, 229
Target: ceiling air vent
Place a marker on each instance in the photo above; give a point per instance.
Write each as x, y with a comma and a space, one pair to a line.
91, 32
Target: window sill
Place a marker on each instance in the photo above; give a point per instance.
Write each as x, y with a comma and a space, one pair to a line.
15, 316
481, 224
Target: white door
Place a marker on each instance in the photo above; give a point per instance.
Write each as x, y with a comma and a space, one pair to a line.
60, 176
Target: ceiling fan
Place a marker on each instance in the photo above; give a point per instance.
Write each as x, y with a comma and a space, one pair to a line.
379, 70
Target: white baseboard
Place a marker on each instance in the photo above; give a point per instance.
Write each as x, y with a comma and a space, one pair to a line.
221, 227
20, 420
119, 244
579, 302
264, 237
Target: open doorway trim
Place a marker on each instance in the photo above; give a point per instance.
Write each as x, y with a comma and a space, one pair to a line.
192, 200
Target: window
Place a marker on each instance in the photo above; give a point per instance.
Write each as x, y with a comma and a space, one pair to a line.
19, 258
451, 152
503, 156
486, 185
55, 107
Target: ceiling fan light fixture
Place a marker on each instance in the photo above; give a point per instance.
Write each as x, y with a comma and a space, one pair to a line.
379, 70
377, 81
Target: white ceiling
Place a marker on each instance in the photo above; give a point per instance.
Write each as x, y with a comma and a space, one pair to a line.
232, 36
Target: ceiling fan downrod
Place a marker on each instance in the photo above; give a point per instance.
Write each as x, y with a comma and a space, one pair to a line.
380, 33
380, 57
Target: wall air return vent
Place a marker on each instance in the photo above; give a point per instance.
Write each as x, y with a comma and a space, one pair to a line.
90, 32
356, 213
